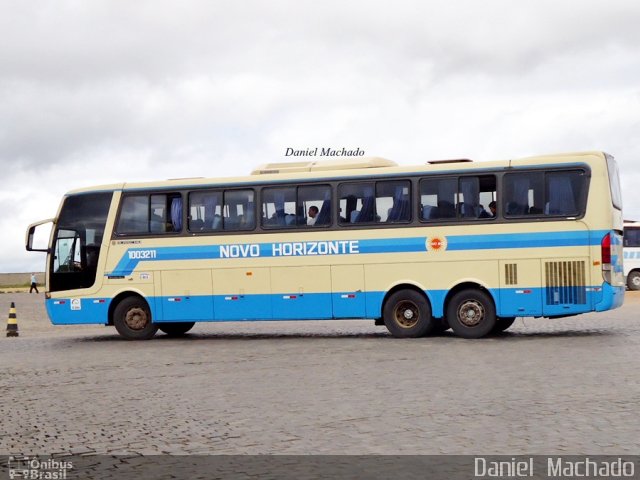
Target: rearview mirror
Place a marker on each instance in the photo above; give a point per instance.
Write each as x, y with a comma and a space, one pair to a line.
38, 236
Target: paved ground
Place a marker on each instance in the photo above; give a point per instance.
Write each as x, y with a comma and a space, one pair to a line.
344, 387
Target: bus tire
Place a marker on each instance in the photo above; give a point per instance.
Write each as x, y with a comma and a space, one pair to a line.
471, 314
633, 280
132, 319
407, 314
176, 329
502, 324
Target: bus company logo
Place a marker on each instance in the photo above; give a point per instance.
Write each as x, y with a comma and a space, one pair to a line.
436, 244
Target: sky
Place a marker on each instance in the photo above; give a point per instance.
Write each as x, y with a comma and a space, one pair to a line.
95, 92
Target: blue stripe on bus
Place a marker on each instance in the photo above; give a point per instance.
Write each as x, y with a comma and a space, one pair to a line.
127, 264
524, 240
509, 302
133, 256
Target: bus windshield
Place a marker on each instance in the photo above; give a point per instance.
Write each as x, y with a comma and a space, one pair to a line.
76, 241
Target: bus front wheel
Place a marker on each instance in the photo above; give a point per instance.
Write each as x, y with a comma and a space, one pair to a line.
471, 314
132, 319
176, 329
407, 314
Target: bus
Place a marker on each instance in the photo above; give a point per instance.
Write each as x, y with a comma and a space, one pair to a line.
450, 244
631, 252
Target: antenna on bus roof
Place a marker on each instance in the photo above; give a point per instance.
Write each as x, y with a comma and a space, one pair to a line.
315, 166
455, 160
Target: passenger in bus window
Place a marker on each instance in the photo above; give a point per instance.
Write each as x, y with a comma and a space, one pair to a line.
313, 213
492, 208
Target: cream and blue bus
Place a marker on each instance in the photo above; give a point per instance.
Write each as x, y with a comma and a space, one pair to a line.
420, 249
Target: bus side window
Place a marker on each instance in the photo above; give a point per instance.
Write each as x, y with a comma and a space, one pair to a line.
554, 193
175, 210
238, 210
314, 200
154, 213
382, 202
279, 207
465, 198
134, 215
487, 197
357, 203
205, 211
393, 201
563, 193
165, 213
438, 198
469, 203
522, 192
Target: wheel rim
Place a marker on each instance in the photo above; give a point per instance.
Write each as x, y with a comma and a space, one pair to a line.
136, 318
635, 280
406, 314
471, 313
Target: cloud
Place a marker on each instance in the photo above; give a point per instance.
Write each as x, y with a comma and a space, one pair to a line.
111, 91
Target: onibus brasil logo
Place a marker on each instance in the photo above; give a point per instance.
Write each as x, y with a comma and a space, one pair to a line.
36, 468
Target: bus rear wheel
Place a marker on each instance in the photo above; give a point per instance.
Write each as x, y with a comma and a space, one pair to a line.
132, 319
633, 280
407, 314
176, 329
471, 314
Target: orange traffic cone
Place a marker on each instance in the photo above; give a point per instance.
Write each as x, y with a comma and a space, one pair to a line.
12, 322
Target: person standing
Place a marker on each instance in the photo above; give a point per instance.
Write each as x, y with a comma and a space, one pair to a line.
34, 283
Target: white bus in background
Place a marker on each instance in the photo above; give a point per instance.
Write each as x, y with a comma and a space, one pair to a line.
632, 254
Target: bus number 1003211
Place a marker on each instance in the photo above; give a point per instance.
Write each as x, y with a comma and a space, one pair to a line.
142, 254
